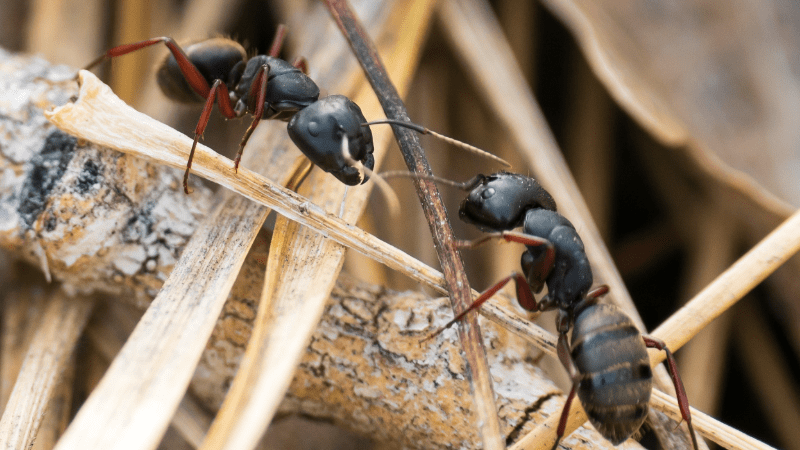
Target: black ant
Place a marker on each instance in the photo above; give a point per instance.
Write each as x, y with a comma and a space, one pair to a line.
269, 88
607, 360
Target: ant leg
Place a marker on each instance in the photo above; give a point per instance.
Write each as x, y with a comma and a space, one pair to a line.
592, 296
524, 297
201, 125
301, 64
562, 422
260, 80
277, 41
566, 360
537, 270
597, 292
538, 267
509, 236
683, 400
189, 71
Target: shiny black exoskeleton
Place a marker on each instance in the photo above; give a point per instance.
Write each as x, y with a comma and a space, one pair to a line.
318, 130
499, 202
288, 89
607, 359
612, 369
218, 70
554, 251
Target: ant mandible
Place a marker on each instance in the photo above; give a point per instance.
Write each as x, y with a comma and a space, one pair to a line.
607, 360
217, 69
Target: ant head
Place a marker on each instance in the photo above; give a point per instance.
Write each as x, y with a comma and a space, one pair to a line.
499, 201
318, 131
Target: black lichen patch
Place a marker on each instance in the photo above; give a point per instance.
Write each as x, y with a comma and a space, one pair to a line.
140, 224
49, 166
89, 176
529, 411
50, 224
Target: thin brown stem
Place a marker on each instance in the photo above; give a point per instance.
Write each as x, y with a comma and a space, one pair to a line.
433, 208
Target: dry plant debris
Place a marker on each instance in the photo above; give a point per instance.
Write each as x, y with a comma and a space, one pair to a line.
125, 270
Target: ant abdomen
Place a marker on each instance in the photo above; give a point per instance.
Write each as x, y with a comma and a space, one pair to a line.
214, 58
616, 381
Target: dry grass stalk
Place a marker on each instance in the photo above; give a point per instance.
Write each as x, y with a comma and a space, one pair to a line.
703, 359
747, 272
59, 410
435, 215
45, 360
22, 310
191, 421
133, 404
107, 332
302, 268
714, 430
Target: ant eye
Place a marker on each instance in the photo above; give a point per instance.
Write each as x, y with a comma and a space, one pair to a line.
313, 128
487, 193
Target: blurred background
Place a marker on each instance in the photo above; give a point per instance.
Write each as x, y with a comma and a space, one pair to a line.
678, 120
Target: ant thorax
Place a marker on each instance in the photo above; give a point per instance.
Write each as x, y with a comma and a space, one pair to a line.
289, 90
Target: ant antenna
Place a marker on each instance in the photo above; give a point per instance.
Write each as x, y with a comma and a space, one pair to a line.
391, 197
464, 186
422, 130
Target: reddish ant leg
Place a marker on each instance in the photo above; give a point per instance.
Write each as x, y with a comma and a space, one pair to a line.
190, 72
301, 64
508, 236
565, 357
261, 81
539, 269
277, 41
201, 124
683, 399
524, 297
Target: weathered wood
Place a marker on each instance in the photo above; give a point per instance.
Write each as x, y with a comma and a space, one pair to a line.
96, 219
368, 371
45, 360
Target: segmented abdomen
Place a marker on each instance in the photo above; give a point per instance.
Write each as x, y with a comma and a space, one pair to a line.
611, 356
